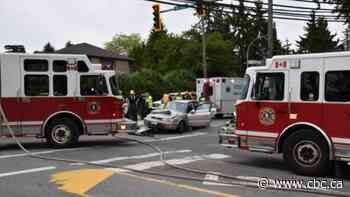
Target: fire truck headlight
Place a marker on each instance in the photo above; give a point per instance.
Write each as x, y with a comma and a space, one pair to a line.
123, 127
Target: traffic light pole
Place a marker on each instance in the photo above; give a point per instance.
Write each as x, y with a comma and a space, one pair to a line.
204, 49
270, 29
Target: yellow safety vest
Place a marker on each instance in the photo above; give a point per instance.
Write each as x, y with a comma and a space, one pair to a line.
149, 102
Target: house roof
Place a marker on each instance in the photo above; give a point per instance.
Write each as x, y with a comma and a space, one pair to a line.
92, 51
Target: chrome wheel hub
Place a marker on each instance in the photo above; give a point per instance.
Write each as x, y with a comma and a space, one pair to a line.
307, 153
61, 134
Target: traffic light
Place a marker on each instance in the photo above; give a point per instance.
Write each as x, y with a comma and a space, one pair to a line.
157, 26
199, 9
202, 10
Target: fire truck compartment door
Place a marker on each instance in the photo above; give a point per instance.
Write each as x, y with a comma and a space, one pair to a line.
269, 109
336, 116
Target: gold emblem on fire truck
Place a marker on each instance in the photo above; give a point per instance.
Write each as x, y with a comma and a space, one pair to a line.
94, 108
267, 116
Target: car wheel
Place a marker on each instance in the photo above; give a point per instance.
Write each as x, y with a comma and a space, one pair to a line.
62, 133
307, 153
181, 127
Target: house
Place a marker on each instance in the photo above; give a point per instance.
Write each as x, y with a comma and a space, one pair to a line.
97, 55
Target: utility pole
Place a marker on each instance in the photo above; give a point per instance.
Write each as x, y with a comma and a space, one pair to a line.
347, 39
270, 29
203, 12
204, 50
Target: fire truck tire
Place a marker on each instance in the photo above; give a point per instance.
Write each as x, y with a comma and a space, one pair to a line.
306, 152
62, 133
181, 127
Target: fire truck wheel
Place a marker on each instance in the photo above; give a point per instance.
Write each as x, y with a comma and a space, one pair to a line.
181, 127
307, 153
62, 133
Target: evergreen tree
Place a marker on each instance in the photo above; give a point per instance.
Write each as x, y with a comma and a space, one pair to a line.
342, 8
68, 44
218, 21
48, 48
287, 48
317, 38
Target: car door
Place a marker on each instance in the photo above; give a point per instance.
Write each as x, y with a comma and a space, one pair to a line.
198, 115
191, 115
203, 114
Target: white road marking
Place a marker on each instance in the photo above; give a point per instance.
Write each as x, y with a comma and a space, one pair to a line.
176, 137
249, 178
210, 178
27, 171
144, 156
39, 153
216, 156
180, 161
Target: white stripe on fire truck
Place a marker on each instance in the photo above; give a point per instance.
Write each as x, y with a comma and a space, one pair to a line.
341, 140
24, 123
98, 121
41, 122
257, 133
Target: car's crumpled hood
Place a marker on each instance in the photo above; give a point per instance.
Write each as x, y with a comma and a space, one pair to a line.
163, 114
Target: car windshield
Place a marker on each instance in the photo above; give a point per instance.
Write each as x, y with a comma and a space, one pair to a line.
245, 88
114, 85
205, 107
178, 107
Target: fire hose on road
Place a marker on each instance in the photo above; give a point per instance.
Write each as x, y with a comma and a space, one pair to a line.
236, 180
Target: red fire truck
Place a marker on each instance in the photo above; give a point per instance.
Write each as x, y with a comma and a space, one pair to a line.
59, 97
298, 105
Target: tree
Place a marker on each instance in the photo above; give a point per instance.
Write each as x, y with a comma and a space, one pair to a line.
317, 38
180, 80
287, 48
247, 25
220, 56
124, 44
144, 80
48, 48
68, 44
342, 8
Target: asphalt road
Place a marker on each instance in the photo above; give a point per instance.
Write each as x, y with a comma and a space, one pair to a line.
23, 176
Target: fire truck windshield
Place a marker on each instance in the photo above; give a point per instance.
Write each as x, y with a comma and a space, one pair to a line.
114, 85
245, 88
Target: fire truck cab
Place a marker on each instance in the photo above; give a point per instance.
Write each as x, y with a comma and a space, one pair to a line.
59, 97
298, 105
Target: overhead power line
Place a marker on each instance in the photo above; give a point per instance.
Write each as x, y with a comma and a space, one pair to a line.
283, 6
278, 14
320, 2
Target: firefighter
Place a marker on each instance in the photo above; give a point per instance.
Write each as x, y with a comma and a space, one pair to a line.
149, 102
166, 99
141, 106
202, 98
132, 108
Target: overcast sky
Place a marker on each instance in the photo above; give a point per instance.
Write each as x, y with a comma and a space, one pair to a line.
33, 23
